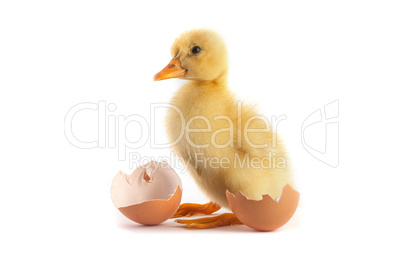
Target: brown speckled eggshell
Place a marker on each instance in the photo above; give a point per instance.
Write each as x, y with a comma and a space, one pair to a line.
265, 214
155, 211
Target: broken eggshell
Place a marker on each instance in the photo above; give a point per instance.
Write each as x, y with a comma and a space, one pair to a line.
150, 195
265, 214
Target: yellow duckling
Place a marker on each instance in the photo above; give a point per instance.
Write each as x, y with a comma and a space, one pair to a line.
227, 144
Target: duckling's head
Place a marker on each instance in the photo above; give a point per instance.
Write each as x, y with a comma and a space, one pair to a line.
196, 55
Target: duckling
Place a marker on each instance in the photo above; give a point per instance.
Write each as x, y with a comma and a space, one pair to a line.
227, 144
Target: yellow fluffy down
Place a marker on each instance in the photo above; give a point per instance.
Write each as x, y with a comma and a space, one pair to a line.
222, 156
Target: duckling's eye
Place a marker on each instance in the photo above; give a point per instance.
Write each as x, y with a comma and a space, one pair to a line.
196, 50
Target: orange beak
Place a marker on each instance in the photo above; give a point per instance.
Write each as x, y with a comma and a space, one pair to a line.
172, 70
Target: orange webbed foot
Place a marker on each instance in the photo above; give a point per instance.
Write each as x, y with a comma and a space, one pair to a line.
211, 222
189, 209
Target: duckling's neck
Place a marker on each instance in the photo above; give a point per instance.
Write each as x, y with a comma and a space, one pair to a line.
220, 82
201, 94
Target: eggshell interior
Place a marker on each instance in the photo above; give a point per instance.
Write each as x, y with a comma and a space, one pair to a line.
265, 214
153, 181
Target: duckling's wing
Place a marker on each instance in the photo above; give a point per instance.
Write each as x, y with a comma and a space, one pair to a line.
253, 132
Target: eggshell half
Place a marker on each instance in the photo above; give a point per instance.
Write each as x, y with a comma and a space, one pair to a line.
150, 195
265, 214
155, 211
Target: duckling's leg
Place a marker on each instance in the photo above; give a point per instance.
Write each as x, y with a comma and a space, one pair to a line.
189, 209
211, 222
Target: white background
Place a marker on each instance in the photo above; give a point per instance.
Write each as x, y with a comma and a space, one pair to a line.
292, 57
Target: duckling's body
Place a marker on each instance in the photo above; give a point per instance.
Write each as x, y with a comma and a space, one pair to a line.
214, 169
221, 155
